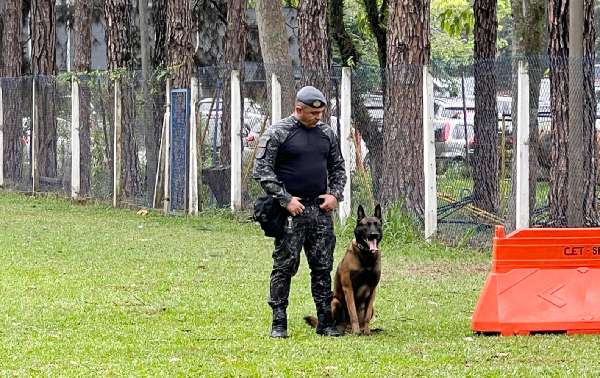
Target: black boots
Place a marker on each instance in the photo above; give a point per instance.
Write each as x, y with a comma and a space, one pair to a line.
279, 326
326, 325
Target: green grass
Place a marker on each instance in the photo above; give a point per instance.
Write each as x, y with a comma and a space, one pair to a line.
97, 291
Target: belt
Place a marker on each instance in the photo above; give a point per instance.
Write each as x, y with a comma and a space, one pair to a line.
312, 201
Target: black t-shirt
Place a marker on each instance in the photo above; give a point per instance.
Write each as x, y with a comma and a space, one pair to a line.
302, 161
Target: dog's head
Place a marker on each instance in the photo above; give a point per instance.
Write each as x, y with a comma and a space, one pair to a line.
368, 231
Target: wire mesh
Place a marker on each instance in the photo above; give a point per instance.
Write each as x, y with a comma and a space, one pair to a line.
96, 135
17, 117
474, 130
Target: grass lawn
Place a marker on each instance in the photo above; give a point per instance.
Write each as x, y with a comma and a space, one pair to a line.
89, 290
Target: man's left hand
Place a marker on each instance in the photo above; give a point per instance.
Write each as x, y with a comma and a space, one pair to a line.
329, 202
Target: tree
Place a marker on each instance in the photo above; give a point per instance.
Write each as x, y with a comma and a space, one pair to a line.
452, 27
210, 18
43, 60
179, 41
10, 49
407, 52
120, 58
558, 40
154, 131
573, 151
367, 128
377, 16
274, 47
314, 46
82, 45
339, 33
589, 163
485, 158
235, 51
159, 21
151, 140
528, 44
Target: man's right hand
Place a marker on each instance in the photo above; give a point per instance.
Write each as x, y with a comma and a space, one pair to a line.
295, 207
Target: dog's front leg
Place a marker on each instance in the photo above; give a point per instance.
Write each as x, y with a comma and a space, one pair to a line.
349, 295
369, 313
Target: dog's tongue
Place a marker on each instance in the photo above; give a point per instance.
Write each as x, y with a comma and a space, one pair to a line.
373, 245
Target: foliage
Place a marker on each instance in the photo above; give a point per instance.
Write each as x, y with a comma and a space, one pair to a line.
357, 24
452, 24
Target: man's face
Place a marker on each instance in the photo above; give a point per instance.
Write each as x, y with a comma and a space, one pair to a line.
309, 116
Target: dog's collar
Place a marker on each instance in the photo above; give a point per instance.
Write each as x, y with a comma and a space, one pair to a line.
366, 251
359, 246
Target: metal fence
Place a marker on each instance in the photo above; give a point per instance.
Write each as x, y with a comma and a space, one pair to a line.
38, 118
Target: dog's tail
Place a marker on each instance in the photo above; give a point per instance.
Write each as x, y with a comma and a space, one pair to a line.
311, 321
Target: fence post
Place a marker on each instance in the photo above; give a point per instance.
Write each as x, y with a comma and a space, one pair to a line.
1, 138
193, 166
117, 188
346, 140
275, 99
236, 142
522, 192
75, 148
167, 150
33, 139
429, 157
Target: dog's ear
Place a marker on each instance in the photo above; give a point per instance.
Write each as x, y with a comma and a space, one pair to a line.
360, 214
377, 213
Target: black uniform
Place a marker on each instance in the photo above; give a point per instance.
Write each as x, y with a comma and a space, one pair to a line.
294, 160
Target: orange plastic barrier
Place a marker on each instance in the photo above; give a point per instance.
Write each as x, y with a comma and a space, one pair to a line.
542, 280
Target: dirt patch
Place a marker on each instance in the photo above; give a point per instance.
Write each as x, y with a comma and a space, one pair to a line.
436, 271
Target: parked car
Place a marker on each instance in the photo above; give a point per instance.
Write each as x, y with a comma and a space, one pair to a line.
450, 140
254, 120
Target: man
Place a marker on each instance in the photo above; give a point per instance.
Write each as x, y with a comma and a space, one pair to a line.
299, 162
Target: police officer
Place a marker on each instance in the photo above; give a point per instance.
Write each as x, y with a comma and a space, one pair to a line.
299, 162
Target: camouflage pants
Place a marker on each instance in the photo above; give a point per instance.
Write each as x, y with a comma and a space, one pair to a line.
313, 230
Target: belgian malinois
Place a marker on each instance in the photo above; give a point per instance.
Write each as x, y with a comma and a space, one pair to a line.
357, 276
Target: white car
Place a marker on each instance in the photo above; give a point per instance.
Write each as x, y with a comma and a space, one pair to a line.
211, 113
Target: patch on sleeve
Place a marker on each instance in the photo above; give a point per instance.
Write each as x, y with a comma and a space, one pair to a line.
261, 149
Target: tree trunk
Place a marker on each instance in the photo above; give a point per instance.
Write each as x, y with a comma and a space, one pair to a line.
119, 56
274, 47
314, 47
528, 42
43, 58
589, 118
179, 41
558, 50
377, 18
150, 140
82, 45
485, 164
368, 129
2, 11
407, 52
159, 20
210, 17
235, 51
338, 32
11, 67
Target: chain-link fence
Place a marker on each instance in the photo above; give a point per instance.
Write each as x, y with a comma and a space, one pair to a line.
474, 128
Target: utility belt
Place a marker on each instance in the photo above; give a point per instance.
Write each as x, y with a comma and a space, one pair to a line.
312, 201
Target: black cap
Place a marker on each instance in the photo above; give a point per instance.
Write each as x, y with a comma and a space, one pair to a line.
311, 96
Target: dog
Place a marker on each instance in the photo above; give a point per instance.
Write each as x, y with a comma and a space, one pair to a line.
357, 277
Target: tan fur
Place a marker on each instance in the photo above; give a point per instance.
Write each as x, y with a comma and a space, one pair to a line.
354, 310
